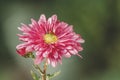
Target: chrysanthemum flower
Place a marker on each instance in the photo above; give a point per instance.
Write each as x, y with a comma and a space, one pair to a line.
49, 39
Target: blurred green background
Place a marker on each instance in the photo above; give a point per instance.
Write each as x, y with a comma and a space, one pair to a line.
98, 21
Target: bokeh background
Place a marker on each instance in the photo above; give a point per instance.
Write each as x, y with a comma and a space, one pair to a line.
98, 21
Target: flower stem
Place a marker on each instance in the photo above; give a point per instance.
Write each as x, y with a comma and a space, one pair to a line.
39, 69
44, 71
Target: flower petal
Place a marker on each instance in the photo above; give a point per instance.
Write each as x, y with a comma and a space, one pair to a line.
38, 59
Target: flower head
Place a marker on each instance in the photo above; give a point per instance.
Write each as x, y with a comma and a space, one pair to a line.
49, 39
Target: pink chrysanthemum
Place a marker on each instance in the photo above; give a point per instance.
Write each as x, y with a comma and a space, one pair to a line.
50, 39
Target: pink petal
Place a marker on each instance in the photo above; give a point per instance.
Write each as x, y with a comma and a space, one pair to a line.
68, 55
52, 19
54, 63
42, 19
38, 59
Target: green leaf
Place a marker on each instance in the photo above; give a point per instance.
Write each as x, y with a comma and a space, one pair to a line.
34, 75
53, 75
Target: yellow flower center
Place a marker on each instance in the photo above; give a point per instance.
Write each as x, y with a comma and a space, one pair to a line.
50, 38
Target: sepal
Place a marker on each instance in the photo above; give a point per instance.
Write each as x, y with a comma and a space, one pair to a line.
29, 55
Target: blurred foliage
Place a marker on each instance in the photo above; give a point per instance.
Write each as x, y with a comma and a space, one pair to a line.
98, 22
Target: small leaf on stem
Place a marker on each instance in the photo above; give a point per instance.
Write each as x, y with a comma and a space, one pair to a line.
53, 75
34, 75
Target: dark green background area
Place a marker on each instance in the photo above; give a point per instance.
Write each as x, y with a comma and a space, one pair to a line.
98, 22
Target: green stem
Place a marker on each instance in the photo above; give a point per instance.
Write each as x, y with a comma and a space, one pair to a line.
39, 69
44, 71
